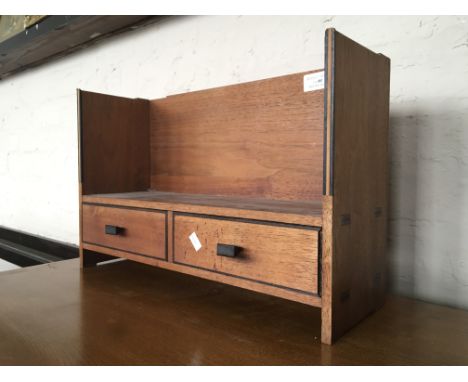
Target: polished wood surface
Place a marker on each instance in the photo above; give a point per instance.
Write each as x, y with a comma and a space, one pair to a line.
144, 232
131, 314
357, 163
114, 149
256, 139
286, 211
274, 254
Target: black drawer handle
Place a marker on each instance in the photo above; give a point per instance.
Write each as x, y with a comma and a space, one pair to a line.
114, 230
228, 250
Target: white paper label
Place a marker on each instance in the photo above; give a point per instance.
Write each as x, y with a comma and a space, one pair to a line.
195, 242
314, 81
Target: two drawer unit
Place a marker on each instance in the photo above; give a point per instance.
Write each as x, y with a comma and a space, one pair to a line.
277, 255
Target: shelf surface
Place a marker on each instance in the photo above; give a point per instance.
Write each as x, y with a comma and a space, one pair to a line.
77, 315
284, 211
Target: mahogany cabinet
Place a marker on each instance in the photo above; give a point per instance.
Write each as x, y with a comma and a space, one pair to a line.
278, 185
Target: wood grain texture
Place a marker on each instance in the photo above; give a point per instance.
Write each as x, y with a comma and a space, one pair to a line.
293, 212
132, 314
278, 255
114, 145
359, 176
144, 231
258, 139
326, 271
93, 251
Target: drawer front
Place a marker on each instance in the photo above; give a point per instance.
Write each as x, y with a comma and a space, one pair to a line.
136, 231
280, 255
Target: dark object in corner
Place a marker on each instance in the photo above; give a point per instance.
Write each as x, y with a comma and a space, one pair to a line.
26, 250
57, 36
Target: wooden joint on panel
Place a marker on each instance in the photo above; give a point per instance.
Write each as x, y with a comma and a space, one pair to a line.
345, 295
170, 236
345, 219
377, 279
377, 212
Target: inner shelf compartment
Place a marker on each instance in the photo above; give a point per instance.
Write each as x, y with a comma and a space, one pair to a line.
258, 144
249, 151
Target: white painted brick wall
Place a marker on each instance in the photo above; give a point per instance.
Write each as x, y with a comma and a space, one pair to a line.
429, 122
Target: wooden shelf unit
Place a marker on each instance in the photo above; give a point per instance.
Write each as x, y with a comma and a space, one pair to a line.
263, 185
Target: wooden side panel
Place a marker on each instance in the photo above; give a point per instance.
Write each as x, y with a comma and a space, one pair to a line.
326, 269
114, 143
356, 195
259, 139
80, 186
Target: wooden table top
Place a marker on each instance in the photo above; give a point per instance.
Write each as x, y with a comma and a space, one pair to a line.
132, 314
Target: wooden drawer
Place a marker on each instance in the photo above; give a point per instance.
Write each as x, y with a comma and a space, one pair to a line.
280, 255
140, 232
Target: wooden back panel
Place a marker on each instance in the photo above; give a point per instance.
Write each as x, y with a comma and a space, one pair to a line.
258, 139
114, 143
356, 178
